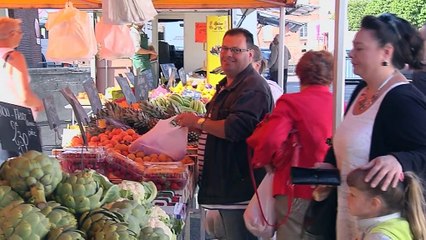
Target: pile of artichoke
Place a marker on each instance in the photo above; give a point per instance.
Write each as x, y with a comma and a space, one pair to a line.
39, 201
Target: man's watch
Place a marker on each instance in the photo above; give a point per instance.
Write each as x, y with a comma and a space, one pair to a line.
200, 123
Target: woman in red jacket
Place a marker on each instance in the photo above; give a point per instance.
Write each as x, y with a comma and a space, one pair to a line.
309, 112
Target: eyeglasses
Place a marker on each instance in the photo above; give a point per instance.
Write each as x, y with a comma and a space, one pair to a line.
234, 50
391, 20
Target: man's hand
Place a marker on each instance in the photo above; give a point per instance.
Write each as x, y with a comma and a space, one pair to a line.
187, 120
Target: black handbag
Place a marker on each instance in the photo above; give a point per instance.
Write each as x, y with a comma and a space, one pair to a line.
320, 219
315, 176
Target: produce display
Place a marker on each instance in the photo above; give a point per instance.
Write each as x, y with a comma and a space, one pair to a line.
206, 90
79, 158
121, 167
144, 117
33, 175
40, 201
167, 176
83, 98
183, 104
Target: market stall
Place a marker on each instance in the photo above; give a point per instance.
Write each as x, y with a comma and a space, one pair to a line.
104, 145
159, 4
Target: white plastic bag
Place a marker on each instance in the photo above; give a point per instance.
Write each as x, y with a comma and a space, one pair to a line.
71, 35
253, 217
114, 41
128, 11
163, 138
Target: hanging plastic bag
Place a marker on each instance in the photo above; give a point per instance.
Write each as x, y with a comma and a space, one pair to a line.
71, 35
253, 217
128, 11
163, 138
114, 41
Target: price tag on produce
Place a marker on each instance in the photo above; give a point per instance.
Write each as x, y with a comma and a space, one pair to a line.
93, 94
172, 78
127, 91
51, 113
167, 69
141, 88
182, 76
19, 130
131, 77
145, 82
79, 112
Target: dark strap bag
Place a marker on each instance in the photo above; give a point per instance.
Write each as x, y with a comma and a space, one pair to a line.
320, 219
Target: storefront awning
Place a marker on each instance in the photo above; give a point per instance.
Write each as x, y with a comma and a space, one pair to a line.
159, 4
267, 19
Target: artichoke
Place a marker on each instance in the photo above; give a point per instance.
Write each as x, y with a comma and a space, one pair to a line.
32, 175
101, 224
133, 213
7, 195
149, 233
59, 216
68, 233
85, 190
23, 221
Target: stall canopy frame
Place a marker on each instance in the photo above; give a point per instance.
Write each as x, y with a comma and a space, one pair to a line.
340, 25
158, 4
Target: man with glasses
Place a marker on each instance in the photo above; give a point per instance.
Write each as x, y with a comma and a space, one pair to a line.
243, 98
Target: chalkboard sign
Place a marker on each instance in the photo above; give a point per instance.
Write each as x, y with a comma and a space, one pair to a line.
127, 91
131, 77
51, 113
92, 93
167, 69
182, 76
19, 131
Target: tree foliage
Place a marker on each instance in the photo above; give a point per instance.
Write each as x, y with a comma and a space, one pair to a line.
413, 11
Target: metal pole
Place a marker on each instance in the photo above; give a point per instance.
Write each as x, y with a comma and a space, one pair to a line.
281, 48
340, 27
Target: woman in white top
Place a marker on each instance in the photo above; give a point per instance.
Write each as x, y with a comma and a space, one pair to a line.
385, 124
14, 78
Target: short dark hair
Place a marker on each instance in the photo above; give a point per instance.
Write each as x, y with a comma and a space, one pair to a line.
405, 39
237, 31
315, 68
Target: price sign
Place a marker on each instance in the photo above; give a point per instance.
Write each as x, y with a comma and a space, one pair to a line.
144, 83
167, 69
79, 112
131, 77
127, 91
19, 131
51, 113
141, 88
182, 76
92, 93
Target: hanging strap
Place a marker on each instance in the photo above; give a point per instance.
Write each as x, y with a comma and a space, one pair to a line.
6, 57
290, 195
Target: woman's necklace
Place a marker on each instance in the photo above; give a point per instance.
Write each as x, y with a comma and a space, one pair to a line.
365, 102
